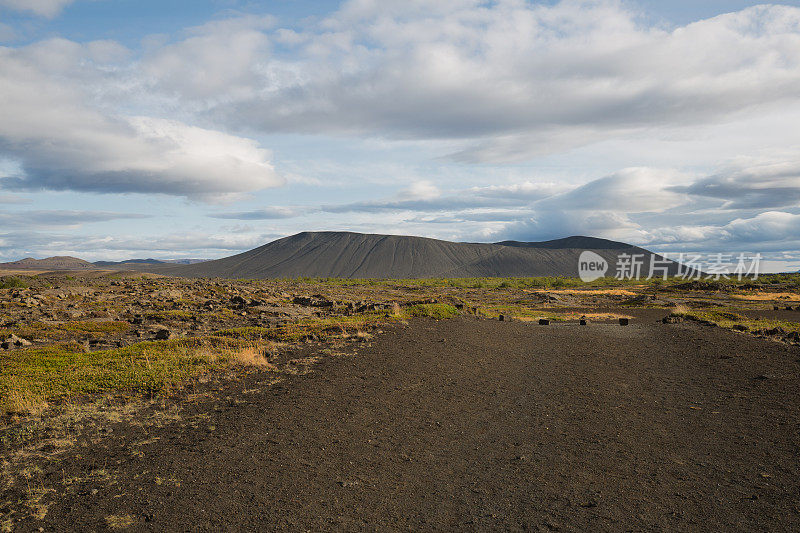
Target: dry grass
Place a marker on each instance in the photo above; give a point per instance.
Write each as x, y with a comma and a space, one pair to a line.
256, 356
119, 521
768, 296
20, 399
680, 309
591, 290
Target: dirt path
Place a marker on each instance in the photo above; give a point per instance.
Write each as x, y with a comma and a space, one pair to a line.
476, 425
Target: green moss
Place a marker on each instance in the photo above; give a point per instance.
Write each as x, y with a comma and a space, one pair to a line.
67, 330
437, 311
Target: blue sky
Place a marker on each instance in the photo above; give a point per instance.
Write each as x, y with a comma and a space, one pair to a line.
199, 129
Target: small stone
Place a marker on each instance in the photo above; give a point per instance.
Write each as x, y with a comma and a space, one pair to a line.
544, 322
624, 321
163, 335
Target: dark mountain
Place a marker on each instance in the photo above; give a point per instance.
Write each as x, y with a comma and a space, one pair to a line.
358, 255
50, 263
576, 242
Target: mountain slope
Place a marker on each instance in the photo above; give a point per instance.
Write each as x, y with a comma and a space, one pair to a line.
358, 255
50, 263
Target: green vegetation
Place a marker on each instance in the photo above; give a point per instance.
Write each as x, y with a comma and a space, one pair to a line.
34, 377
171, 314
437, 311
733, 320
67, 330
13, 282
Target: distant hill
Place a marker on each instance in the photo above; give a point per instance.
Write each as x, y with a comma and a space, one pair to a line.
150, 261
358, 255
50, 263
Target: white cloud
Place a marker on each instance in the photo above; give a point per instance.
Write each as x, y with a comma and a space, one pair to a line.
753, 183
512, 79
64, 141
44, 8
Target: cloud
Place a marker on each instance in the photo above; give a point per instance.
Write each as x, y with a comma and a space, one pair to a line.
426, 197
267, 213
14, 245
64, 142
633, 190
7, 33
218, 60
752, 185
511, 79
61, 218
770, 226
43, 8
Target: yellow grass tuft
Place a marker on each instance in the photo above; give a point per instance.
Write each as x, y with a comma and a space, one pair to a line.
680, 309
19, 399
254, 356
119, 521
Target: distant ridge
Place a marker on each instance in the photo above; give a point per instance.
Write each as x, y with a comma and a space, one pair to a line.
359, 255
578, 241
64, 262
149, 261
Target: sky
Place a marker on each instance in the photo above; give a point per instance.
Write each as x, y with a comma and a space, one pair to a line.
202, 128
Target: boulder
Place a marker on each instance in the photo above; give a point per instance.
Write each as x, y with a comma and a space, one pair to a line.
12, 341
163, 335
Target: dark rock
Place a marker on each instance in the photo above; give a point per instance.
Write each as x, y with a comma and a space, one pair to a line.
672, 319
623, 321
740, 327
319, 301
163, 335
501, 318
544, 322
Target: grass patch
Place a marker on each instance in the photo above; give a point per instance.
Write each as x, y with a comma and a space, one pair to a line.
437, 311
32, 378
67, 330
13, 282
737, 321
